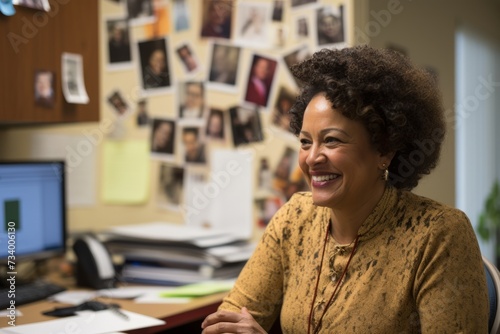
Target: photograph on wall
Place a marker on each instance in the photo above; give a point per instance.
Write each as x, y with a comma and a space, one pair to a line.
223, 72
196, 206
287, 176
188, 59
140, 11
215, 128
264, 176
245, 125
44, 83
142, 113
170, 186
295, 56
217, 18
329, 25
119, 47
302, 28
192, 144
35, 4
267, 207
163, 138
253, 25
118, 103
260, 80
181, 16
192, 104
299, 4
155, 65
278, 8
161, 25
73, 83
280, 116
279, 36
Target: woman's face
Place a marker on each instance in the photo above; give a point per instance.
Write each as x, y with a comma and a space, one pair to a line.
162, 134
215, 126
217, 12
330, 26
194, 96
336, 157
261, 68
44, 84
157, 61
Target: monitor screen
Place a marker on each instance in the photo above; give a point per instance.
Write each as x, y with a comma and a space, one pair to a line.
32, 210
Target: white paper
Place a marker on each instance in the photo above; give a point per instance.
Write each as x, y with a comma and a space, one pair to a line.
6, 313
79, 152
157, 299
143, 294
88, 322
231, 197
196, 205
132, 292
140, 294
42, 4
253, 25
73, 83
73, 297
214, 241
234, 253
164, 231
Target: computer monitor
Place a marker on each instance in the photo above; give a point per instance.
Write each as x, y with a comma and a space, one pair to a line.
32, 210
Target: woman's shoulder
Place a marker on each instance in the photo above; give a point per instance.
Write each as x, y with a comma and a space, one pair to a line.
299, 207
301, 201
297, 219
430, 211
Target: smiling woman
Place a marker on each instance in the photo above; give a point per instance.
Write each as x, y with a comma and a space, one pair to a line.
339, 161
361, 252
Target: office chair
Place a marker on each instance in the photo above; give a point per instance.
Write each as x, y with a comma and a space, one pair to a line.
493, 280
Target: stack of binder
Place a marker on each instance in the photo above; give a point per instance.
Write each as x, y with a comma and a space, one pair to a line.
172, 254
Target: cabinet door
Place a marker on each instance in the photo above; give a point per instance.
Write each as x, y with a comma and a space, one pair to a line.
34, 40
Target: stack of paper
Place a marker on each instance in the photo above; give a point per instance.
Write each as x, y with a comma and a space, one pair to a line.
173, 254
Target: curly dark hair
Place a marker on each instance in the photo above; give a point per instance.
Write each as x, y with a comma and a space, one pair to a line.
398, 103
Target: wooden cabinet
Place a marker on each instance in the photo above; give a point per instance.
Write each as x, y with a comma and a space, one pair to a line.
35, 40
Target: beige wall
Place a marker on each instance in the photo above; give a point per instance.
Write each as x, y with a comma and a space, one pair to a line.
426, 30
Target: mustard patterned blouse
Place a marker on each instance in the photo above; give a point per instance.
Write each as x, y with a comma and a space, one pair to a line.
417, 268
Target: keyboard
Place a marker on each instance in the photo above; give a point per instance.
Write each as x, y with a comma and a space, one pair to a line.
28, 293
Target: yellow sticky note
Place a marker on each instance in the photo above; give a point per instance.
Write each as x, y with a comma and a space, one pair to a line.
126, 171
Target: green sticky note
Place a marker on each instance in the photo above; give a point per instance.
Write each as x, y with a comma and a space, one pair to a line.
11, 213
199, 289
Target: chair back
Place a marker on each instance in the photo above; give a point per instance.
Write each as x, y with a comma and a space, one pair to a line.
493, 280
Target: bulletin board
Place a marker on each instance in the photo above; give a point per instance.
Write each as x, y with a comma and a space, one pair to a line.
171, 66
33, 41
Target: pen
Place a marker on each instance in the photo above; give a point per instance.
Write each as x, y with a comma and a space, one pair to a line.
118, 311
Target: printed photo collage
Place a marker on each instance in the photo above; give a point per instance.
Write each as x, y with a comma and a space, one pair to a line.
226, 30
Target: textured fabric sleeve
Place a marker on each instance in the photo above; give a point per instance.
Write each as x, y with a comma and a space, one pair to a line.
259, 286
450, 283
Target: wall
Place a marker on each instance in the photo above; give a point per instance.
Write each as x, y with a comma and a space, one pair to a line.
17, 142
426, 30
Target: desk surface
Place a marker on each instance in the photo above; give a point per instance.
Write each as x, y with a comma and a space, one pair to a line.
174, 314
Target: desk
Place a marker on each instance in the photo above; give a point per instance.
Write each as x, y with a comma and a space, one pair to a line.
174, 314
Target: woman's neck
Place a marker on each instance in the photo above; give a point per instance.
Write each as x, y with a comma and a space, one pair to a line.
346, 221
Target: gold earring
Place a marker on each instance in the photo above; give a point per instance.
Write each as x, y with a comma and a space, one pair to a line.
385, 174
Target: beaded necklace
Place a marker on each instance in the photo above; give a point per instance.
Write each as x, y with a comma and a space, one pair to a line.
309, 324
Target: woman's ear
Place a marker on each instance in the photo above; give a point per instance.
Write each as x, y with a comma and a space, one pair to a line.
385, 159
